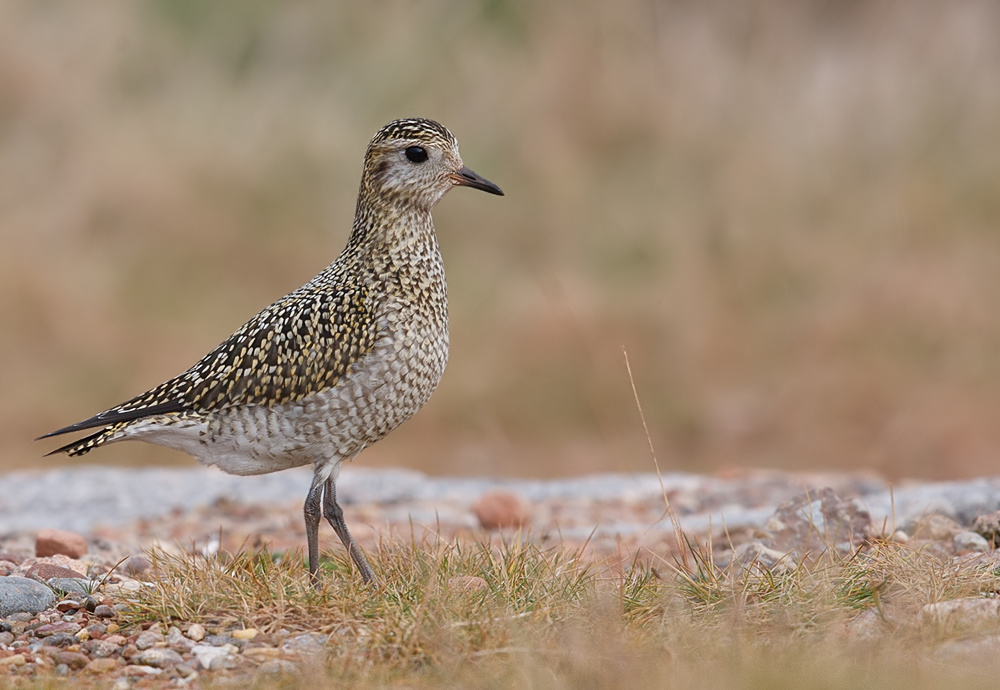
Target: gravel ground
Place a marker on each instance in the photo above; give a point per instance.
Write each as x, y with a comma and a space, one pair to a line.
54, 622
82, 498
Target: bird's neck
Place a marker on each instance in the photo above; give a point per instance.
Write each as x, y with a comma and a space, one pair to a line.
392, 230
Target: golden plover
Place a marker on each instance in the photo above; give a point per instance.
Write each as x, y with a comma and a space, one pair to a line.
334, 366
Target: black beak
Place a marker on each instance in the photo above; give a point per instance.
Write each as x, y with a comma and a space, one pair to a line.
467, 178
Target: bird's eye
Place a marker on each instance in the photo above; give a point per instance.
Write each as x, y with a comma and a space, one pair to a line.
416, 154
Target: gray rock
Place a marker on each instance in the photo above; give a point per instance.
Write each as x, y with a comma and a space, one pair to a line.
988, 526
157, 658
100, 649
214, 658
812, 523
177, 640
962, 614
71, 585
21, 595
277, 667
307, 644
148, 639
104, 611
970, 541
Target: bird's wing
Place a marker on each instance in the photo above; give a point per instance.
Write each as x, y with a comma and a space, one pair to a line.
300, 345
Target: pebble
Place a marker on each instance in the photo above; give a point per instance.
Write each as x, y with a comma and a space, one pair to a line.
104, 611
967, 613
935, 528
148, 639
58, 627
13, 660
500, 508
176, 639
307, 644
100, 649
71, 585
245, 634
196, 632
51, 542
49, 571
277, 667
140, 670
102, 665
74, 660
23, 595
214, 658
970, 541
987, 526
158, 657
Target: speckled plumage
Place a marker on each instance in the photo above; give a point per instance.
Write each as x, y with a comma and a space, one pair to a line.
334, 366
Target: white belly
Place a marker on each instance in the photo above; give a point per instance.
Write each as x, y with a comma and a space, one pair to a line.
380, 392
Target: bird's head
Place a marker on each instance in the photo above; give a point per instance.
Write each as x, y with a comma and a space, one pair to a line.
415, 161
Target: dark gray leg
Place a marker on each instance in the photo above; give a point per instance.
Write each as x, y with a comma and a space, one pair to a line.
333, 513
312, 513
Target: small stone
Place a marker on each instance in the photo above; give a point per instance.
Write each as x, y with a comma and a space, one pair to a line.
935, 528
62, 670
112, 627
99, 666
214, 658
277, 667
900, 537
70, 585
245, 634
83, 635
14, 660
469, 583
68, 605
100, 649
57, 627
137, 566
104, 611
43, 572
74, 660
60, 639
158, 658
52, 542
23, 595
970, 541
11, 557
6, 638
139, 670
755, 552
987, 526
499, 508
196, 632
963, 614
148, 639
306, 644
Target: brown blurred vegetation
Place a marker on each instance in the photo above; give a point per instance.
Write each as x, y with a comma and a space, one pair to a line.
787, 212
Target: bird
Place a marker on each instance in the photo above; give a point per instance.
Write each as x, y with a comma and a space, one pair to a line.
334, 366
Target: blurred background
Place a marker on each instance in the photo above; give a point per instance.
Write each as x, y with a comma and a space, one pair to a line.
788, 214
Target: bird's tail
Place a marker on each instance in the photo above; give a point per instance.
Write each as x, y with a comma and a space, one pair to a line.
88, 443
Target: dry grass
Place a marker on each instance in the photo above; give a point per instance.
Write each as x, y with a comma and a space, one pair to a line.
786, 211
551, 619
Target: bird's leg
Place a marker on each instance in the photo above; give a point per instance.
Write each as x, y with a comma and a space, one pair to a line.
335, 515
312, 513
